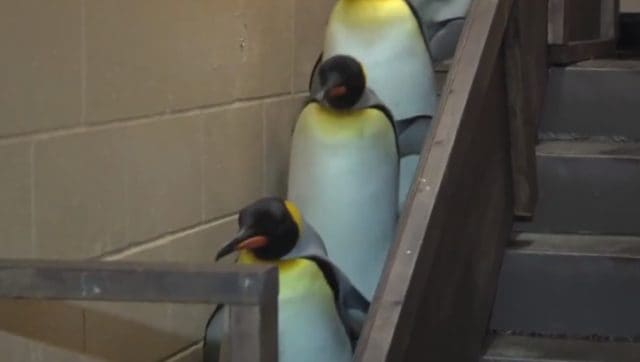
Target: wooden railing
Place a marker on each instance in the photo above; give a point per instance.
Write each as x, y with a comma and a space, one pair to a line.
250, 291
476, 170
582, 29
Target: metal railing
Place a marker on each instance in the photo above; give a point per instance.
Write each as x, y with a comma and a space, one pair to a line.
251, 292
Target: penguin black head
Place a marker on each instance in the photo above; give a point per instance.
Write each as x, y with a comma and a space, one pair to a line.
342, 81
269, 228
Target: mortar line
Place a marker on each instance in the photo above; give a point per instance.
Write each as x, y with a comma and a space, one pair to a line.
162, 240
32, 194
83, 63
139, 120
183, 352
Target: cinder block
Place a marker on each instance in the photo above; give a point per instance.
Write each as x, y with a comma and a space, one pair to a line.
80, 194
59, 325
151, 332
265, 40
279, 120
233, 159
41, 65
163, 176
310, 22
15, 200
145, 59
630, 6
19, 349
193, 354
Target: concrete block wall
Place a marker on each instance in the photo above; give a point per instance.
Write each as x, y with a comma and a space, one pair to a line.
134, 130
630, 6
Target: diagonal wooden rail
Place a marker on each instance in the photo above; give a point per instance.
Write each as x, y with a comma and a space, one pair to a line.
476, 171
251, 292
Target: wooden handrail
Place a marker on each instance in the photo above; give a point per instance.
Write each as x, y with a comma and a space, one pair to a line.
434, 300
250, 291
582, 29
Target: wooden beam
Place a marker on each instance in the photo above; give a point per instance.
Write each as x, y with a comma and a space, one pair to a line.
251, 292
581, 50
557, 33
136, 282
436, 292
525, 52
609, 19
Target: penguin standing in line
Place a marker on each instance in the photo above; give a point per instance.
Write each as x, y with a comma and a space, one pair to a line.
344, 170
387, 38
320, 313
443, 21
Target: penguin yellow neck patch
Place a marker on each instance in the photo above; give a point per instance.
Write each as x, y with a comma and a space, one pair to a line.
295, 214
336, 126
368, 11
296, 276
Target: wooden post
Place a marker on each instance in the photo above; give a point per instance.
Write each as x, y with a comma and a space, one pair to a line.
582, 29
525, 52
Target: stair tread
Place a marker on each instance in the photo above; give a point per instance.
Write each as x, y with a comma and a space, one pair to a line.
623, 150
608, 64
576, 244
530, 349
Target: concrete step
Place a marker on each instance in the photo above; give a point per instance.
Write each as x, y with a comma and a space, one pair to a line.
570, 285
533, 349
593, 98
587, 187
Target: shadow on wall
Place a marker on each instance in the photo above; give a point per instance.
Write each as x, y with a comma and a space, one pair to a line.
69, 325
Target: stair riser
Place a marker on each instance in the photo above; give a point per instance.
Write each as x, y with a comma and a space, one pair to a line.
574, 295
587, 102
526, 349
587, 194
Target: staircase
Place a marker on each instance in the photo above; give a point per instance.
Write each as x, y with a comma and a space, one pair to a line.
569, 288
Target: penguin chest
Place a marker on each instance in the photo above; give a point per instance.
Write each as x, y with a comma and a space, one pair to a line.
344, 177
386, 38
309, 326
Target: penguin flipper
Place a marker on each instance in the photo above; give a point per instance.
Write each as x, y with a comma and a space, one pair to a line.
412, 133
214, 335
352, 306
418, 19
313, 82
445, 40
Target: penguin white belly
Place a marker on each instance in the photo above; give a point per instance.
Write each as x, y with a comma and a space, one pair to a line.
309, 327
386, 38
344, 178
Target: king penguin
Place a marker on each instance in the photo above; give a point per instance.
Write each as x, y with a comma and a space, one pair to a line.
442, 21
387, 37
344, 170
320, 313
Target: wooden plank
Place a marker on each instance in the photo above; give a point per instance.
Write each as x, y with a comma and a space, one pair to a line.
253, 336
435, 296
525, 52
136, 282
579, 51
582, 20
573, 21
556, 25
609, 20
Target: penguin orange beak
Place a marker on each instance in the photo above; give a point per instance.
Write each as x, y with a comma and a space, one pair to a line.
337, 91
244, 240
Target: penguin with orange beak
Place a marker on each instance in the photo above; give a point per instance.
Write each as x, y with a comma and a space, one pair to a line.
320, 313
